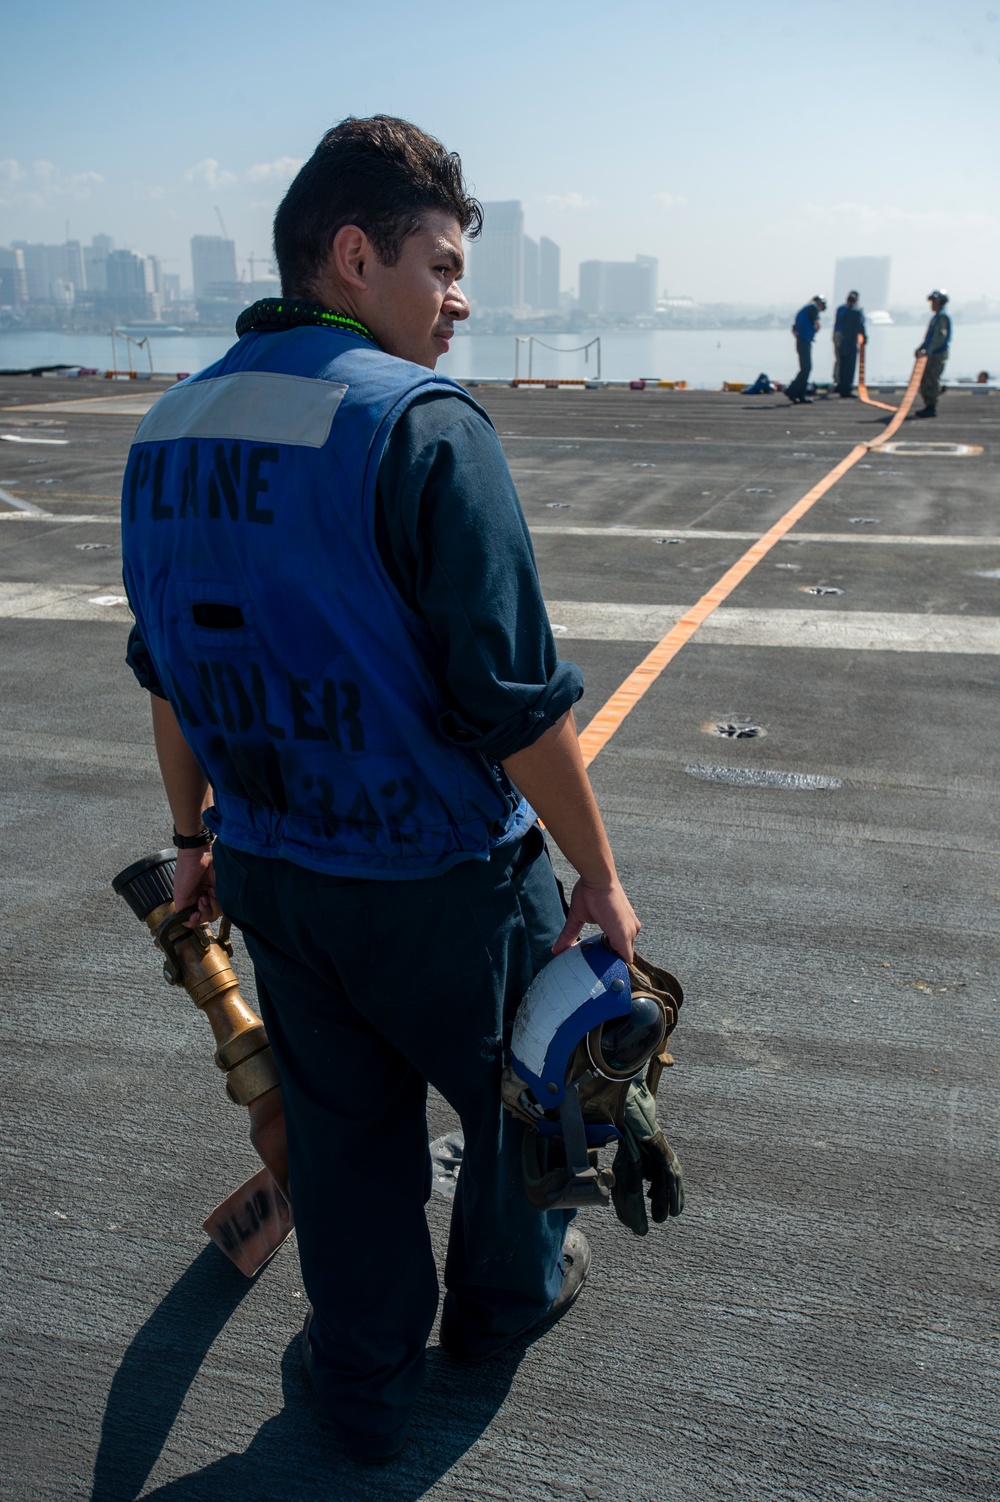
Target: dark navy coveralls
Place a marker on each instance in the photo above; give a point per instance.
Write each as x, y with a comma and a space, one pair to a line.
806, 321
385, 966
850, 325
937, 342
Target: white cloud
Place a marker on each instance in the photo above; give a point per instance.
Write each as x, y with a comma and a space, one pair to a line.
38, 185
209, 174
282, 169
669, 200
570, 201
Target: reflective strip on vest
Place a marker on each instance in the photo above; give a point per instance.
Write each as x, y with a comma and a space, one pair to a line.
256, 406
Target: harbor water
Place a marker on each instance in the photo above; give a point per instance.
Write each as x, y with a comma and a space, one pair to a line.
702, 357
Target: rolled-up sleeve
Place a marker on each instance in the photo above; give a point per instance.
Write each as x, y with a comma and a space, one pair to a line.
455, 543
142, 665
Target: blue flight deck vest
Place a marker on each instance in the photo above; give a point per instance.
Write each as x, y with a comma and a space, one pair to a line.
308, 691
806, 320
849, 322
932, 329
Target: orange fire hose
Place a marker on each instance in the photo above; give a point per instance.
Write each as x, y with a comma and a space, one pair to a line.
611, 716
862, 388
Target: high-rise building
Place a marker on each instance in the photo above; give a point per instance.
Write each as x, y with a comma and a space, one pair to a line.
592, 286
75, 272
132, 291
95, 262
44, 265
619, 289
130, 273
213, 263
867, 275
496, 260
13, 279
530, 282
263, 286
548, 274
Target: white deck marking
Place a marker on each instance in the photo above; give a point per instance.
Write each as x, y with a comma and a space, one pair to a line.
22, 508
64, 602
22, 514
731, 626
855, 630
909, 539
928, 540
134, 404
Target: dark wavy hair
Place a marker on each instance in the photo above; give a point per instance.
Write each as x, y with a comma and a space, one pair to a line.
382, 174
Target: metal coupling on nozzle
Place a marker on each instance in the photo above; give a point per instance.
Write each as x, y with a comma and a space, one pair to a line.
198, 960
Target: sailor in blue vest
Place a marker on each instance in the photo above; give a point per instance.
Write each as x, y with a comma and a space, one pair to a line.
848, 328
804, 329
937, 342
358, 707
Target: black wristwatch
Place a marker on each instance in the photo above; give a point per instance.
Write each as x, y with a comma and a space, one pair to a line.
193, 841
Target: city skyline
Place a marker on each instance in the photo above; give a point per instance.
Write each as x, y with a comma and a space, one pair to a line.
510, 273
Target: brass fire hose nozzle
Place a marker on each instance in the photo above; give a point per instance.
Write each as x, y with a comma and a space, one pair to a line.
198, 960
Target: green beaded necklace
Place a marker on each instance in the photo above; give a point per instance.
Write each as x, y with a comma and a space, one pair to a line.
274, 313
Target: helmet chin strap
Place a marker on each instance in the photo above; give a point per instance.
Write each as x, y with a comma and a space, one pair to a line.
574, 1131
581, 1182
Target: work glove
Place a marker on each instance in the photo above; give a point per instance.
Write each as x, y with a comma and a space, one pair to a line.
645, 1154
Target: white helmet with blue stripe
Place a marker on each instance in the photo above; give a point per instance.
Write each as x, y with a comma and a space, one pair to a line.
586, 1030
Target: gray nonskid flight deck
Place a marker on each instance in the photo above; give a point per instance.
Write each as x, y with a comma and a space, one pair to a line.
820, 1323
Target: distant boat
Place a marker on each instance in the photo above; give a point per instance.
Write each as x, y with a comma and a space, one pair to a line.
141, 330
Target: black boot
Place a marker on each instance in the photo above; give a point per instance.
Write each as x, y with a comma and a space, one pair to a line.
929, 411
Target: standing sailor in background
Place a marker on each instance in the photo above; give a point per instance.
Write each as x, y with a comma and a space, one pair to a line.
804, 329
935, 346
848, 328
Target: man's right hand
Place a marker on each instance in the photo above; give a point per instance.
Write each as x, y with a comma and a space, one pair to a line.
551, 775
194, 882
609, 908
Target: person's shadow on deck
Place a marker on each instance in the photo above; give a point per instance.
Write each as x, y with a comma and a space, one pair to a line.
293, 1455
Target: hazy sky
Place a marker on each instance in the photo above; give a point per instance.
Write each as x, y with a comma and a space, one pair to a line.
744, 144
